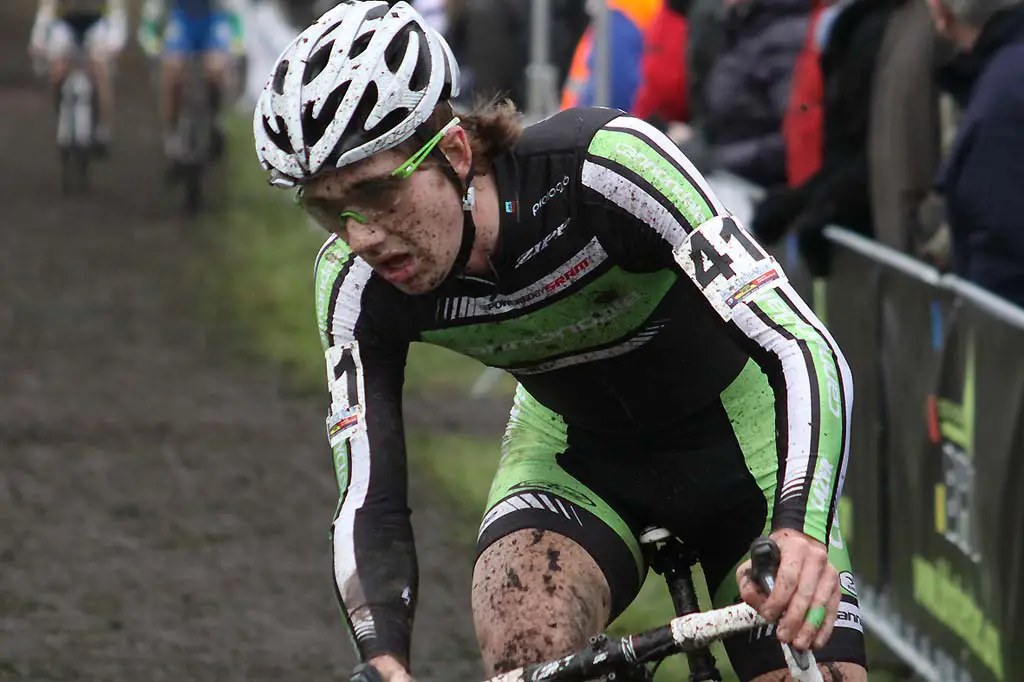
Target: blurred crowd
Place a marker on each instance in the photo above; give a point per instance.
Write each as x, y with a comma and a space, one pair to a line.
899, 119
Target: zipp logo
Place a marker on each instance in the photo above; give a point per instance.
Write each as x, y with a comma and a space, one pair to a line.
551, 194
542, 244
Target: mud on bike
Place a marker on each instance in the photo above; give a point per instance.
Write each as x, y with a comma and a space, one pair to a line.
635, 657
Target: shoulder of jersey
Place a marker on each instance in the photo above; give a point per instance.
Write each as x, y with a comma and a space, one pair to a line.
334, 259
566, 131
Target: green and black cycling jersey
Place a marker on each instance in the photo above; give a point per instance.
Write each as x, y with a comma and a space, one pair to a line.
623, 298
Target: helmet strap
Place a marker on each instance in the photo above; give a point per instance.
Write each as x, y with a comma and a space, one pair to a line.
468, 227
468, 203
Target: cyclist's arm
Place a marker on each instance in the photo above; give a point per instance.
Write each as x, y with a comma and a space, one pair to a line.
631, 167
45, 15
150, 26
372, 543
117, 17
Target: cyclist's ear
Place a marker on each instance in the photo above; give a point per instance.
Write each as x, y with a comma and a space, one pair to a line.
456, 147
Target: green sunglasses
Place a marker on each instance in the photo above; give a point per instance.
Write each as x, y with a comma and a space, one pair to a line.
408, 167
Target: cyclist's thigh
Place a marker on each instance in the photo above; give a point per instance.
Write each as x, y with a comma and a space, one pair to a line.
531, 491
537, 595
96, 39
61, 41
750, 404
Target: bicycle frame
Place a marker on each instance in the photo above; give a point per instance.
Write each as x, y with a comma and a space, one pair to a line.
76, 109
75, 116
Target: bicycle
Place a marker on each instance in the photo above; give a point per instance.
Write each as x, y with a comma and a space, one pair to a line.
692, 631
195, 130
76, 115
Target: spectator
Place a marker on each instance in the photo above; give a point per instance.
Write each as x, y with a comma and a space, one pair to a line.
802, 122
628, 20
705, 20
983, 176
662, 96
849, 35
747, 89
904, 131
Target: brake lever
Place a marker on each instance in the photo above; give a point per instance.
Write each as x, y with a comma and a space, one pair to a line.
764, 563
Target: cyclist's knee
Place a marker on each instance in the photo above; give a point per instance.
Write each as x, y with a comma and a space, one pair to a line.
536, 595
215, 64
173, 68
59, 69
830, 672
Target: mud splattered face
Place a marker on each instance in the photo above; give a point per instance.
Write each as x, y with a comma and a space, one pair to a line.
407, 229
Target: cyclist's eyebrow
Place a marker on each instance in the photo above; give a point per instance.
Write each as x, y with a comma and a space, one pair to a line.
368, 186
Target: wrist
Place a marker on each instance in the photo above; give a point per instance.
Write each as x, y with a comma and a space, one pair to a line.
387, 664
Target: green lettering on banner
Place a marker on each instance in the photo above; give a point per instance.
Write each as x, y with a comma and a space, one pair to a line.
942, 595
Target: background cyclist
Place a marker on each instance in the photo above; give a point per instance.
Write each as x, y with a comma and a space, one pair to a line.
100, 28
178, 30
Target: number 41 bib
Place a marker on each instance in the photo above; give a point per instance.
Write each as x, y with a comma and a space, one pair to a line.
727, 265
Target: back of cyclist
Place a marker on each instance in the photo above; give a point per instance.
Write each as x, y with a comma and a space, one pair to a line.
99, 27
668, 373
178, 30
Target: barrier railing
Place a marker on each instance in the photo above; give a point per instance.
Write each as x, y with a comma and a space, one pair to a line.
933, 508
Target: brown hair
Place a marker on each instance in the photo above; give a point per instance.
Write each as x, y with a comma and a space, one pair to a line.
493, 126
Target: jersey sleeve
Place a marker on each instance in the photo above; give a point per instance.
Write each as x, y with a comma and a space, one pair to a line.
375, 569
632, 168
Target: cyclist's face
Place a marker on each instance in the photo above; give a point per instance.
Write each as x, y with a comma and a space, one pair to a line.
407, 229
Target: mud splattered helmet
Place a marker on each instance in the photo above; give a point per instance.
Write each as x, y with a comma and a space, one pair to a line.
363, 78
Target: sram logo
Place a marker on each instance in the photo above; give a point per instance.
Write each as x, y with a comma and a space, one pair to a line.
551, 194
570, 274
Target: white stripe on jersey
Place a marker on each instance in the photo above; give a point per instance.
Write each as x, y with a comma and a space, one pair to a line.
798, 396
671, 150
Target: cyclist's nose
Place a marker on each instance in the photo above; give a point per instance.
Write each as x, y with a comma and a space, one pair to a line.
363, 239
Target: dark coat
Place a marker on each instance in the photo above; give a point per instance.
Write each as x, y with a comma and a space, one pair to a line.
982, 179
747, 90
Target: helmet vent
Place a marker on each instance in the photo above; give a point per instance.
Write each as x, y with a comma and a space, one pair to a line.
279, 75
315, 125
360, 45
317, 63
280, 139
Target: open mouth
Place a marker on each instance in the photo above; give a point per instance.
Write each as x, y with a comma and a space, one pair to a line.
397, 268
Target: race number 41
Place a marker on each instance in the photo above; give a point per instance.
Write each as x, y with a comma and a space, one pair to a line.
727, 265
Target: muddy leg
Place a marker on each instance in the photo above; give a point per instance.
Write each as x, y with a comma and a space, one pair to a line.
536, 595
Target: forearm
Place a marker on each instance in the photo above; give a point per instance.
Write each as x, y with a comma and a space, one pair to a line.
375, 573
813, 389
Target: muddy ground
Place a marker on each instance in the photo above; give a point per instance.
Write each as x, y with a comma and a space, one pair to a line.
163, 508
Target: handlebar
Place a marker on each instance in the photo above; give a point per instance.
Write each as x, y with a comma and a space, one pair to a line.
364, 672
765, 557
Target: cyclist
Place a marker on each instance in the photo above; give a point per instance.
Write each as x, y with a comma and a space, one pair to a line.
97, 26
669, 375
180, 29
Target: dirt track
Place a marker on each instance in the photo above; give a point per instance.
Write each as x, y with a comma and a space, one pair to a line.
163, 508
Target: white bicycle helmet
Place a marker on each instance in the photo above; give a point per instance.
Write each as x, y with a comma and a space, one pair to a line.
360, 80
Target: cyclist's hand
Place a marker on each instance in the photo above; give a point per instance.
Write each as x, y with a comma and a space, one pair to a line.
389, 668
805, 581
